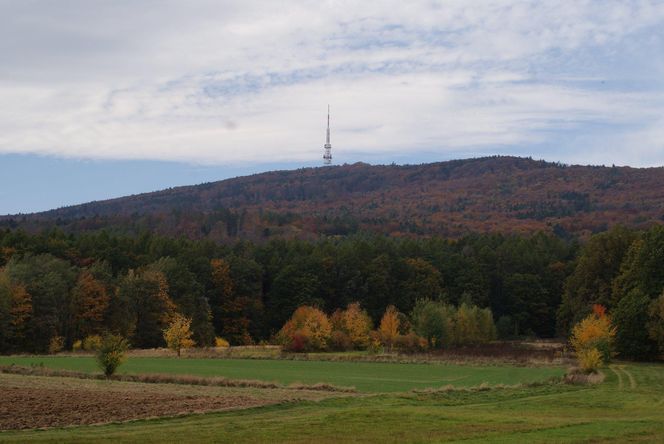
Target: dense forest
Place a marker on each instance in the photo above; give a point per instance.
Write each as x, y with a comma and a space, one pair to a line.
449, 199
74, 285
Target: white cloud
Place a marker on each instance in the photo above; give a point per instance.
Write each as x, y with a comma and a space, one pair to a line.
223, 82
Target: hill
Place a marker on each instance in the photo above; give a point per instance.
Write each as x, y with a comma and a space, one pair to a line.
491, 194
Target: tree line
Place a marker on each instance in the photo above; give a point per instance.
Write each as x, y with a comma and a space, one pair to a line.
54, 284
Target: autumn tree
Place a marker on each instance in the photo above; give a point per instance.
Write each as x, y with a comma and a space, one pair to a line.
15, 311
235, 298
308, 329
90, 301
178, 334
355, 323
389, 327
594, 332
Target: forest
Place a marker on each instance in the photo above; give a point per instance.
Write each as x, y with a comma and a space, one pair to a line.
450, 199
54, 284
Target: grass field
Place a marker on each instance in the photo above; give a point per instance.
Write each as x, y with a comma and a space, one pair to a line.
364, 376
627, 407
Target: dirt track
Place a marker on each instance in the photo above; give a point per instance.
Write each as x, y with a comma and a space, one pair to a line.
34, 402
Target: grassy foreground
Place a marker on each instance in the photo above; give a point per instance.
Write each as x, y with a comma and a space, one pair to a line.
365, 376
628, 407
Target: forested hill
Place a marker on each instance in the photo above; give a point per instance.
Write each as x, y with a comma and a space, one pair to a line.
492, 194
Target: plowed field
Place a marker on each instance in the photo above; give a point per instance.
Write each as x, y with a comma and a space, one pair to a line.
33, 402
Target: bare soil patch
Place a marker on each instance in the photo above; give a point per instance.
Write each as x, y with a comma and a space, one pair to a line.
29, 402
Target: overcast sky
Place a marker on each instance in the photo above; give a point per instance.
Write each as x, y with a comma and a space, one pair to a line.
228, 87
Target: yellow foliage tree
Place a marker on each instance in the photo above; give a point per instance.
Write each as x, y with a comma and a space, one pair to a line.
389, 327
594, 332
357, 324
178, 333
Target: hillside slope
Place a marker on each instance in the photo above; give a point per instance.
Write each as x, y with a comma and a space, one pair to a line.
501, 194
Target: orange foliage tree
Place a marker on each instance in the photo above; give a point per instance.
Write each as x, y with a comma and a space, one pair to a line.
15, 312
308, 329
389, 327
228, 308
89, 304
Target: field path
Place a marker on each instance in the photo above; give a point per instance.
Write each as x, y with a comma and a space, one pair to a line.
617, 373
632, 381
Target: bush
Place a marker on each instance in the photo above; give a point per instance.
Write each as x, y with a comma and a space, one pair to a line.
590, 360
77, 345
56, 345
92, 343
111, 353
339, 341
411, 343
374, 346
221, 342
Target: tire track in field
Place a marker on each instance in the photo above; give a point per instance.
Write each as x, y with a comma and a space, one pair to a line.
617, 373
632, 381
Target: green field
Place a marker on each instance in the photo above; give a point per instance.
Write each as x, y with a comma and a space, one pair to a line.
364, 376
627, 407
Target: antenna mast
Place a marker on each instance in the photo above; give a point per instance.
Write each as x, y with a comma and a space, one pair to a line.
327, 157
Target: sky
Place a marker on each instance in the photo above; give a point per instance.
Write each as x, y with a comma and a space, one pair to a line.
101, 99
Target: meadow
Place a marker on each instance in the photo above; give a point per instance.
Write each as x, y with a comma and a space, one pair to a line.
627, 407
367, 377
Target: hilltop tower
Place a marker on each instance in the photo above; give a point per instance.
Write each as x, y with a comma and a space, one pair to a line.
327, 157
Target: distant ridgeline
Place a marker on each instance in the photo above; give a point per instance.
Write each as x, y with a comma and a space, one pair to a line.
449, 199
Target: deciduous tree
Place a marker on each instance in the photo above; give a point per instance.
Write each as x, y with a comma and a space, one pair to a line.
178, 334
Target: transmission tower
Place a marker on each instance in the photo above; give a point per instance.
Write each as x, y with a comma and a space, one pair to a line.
327, 157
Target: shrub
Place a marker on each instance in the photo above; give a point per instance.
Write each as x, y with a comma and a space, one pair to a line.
308, 329
56, 345
178, 333
339, 341
590, 360
594, 332
411, 343
374, 343
92, 343
221, 342
77, 345
111, 353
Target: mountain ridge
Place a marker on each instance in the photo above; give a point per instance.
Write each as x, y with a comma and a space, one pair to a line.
450, 198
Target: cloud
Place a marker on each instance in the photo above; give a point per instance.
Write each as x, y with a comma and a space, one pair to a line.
224, 82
